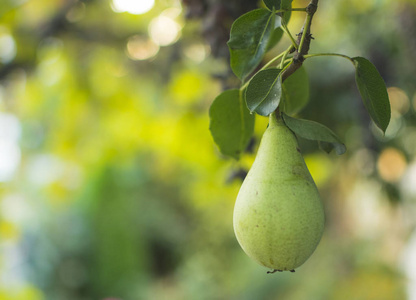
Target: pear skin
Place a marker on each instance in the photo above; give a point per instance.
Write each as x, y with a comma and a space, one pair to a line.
278, 215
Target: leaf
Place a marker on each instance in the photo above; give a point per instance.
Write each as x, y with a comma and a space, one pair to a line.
286, 4
264, 92
296, 91
315, 131
373, 92
273, 3
278, 5
249, 40
324, 146
275, 38
231, 123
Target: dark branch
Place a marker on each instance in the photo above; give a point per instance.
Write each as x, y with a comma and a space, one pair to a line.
298, 57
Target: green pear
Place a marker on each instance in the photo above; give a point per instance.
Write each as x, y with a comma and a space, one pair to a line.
278, 215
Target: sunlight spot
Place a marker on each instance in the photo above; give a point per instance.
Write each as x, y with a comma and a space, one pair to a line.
135, 7
396, 124
164, 30
399, 101
391, 164
172, 12
141, 48
196, 52
7, 48
10, 131
9, 159
408, 181
15, 209
45, 169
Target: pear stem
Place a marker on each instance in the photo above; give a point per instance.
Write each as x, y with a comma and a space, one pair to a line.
276, 114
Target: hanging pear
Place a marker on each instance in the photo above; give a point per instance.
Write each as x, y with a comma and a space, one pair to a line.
278, 214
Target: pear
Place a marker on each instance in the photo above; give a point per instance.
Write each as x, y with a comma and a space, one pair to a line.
278, 215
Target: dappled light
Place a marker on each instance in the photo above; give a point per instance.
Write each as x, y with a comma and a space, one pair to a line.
164, 30
139, 48
7, 47
10, 131
136, 7
391, 164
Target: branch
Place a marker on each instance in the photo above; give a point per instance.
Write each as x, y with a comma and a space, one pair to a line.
304, 41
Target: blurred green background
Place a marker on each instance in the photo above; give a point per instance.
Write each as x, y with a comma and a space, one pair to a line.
111, 186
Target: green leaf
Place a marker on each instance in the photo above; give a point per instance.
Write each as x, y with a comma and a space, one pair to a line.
315, 131
275, 38
231, 123
286, 4
373, 92
249, 40
296, 91
264, 92
324, 146
273, 3
278, 5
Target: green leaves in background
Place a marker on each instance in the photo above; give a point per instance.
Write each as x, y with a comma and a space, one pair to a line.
278, 5
249, 40
264, 92
273, 4
315, 131
231, 123
296, 91
373, 92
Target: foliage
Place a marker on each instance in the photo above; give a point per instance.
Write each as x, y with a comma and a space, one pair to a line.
251, 35
225, 108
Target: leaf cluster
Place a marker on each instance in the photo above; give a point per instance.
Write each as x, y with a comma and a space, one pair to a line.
266, 90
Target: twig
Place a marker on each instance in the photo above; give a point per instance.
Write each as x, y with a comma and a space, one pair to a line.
304, 41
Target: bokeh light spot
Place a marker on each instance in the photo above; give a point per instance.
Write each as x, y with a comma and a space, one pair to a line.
164, 30
399, 101
9, 159
396, 124
135, 7
408, 183
196, 52
7, 47
10, 131
141, 48
391, 164
15, 208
